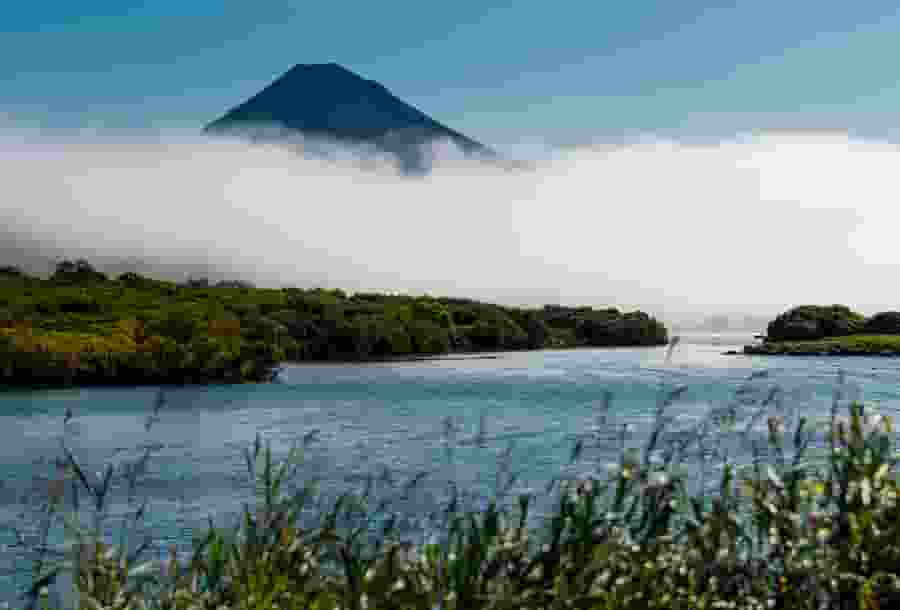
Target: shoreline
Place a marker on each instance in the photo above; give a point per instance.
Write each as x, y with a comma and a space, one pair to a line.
457, 356
491, 355
881, 346
400, 359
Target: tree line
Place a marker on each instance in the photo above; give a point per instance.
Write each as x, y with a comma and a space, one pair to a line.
81, 326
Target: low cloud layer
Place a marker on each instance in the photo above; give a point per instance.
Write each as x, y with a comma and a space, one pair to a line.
753, 224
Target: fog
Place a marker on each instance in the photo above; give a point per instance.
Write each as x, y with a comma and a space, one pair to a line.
752, 224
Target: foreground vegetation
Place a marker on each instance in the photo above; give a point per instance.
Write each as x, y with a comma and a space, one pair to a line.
812, 521
81, 327
833, 330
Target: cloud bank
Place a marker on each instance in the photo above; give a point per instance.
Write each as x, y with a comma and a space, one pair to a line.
752, 224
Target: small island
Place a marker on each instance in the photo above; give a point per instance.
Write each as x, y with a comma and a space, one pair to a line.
80, 327
832, 330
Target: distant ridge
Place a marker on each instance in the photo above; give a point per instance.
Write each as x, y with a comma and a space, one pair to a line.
330, 103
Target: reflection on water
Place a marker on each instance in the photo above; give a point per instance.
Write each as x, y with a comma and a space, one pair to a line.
393, 418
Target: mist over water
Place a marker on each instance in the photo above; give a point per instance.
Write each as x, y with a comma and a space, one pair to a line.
752, 224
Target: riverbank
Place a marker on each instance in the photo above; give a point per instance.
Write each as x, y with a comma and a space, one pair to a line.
80, 328
850, 345
402, 359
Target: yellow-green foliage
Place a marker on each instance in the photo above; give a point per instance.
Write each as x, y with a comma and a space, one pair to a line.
833, 329
139, 330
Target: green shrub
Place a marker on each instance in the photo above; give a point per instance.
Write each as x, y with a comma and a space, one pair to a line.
811, 322
883, 323
610, 328
79, 303
77, 272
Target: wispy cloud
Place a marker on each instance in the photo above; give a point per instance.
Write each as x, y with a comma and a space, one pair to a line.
750, 224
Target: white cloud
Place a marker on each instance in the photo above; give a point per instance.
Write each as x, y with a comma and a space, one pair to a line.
753, 224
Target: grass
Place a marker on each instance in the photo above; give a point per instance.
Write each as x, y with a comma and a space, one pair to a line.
848, 345
811, 521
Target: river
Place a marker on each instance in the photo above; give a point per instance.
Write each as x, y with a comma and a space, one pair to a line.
394, 421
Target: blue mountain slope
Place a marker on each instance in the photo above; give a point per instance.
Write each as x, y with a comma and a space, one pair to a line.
329, 102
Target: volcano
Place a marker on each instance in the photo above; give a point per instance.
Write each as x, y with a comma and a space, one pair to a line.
329, 104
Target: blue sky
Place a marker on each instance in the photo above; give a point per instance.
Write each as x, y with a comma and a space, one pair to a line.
561, 72
512, 75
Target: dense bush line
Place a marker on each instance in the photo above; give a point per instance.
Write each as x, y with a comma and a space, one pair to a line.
849, 345
79, 326
815, 322
833, 330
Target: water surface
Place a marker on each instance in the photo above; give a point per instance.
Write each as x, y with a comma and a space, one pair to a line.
394, 418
